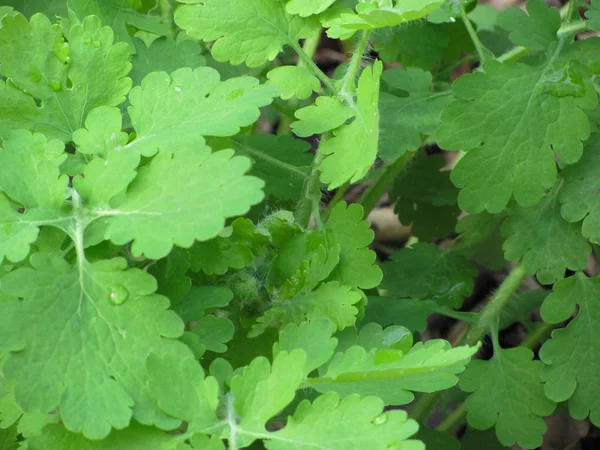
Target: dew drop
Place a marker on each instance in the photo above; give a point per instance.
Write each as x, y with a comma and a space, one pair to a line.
118, 294
452, 19
380, 420
178, 89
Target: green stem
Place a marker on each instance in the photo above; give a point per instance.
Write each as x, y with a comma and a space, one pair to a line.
166, 13
537, 335
311, 199
453, 419
310, 64
374, 192
349, 80
491, 311
423, 406
472, 33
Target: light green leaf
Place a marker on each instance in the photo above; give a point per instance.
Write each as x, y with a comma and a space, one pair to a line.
571, 356
593, 14
282, 162
546, 242
306, 8
200, 299
353, 234
327, 113
537, 30
240, 30
392, 375
532, 120
508, 393
329, 301
91, 327
102, 133
348, 424
371, 14
314, 338
134, 437
426, 272
174, 112
579, 196
214, 332
158, 215
353, 149
293, 81
30, 7
33, 57
404, 120
30, 178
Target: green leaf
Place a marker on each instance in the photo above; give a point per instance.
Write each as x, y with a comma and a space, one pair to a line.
134, 437
480, 240
571, 356
370, 15
392, 375
30, 7
353, 149
239, 30
329, 301
164, 54
405, 119
593, 14
579, 196
120, 15
537, 30
306, 8
348, 424
314, 338
170, 274
200, 299
29, 179
173, 112
426, 272
426, 198
546, 242
34, 56
104, 320
232, 249
213, 333
356, 267
508, 393
281, 161
293, 81
158, 215
327, 113
531, 123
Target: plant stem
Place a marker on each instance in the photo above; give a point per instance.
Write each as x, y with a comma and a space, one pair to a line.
491, 311
374, 192
338, 197
472, 33
311, 199
349, 80
537, 335
453, 419
166, 13
423, 406
310, 64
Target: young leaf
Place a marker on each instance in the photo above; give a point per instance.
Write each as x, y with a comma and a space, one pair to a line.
174, 112
571, 356
426, 272
546, 242
348, 424
508, 393
353, 149
33, 57
240, 30
327, 113
537, 30
357, 262
213, 333
531, 119
104, 320
293, 81
405, 119
392, 375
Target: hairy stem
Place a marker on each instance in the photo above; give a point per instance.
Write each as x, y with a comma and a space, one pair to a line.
453, 419
338, 197
310, 64
381, 184
349, 81
538, 334
472, 33
311, 196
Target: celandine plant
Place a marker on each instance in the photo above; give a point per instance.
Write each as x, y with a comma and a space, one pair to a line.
162, 284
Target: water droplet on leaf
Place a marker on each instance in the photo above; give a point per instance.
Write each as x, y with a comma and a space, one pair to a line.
452, 19
178, 89
118, 294
380, 420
